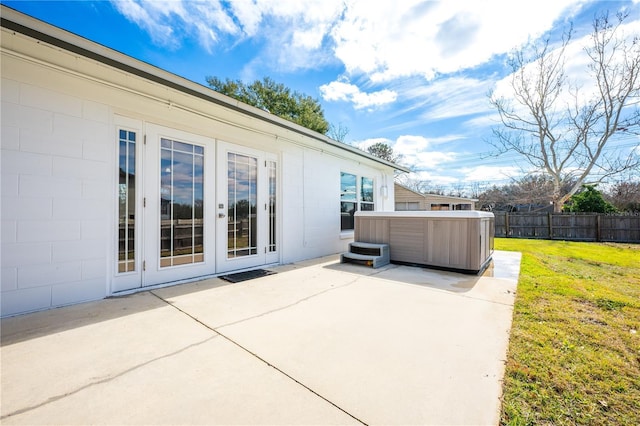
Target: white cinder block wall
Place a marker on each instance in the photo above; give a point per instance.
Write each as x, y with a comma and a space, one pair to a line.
59, 172
56, 174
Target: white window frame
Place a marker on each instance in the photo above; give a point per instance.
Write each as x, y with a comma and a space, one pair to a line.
357, 199
411, 206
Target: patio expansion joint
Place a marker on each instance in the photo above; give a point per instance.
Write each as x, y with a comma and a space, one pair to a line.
107, 379
261, 359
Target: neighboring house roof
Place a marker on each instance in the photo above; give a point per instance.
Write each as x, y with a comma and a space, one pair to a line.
55, 36
440, 197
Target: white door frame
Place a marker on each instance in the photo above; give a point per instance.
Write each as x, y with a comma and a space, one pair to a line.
132, 278
153, 272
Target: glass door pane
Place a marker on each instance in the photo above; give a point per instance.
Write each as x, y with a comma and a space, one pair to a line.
272, 173
181, 203
126, 201
242, 196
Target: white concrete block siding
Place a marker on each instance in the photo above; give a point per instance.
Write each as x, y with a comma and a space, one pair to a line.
53, 237
26, 163
47, 230
8, 231
47, 274
26, 300
60, 117
15, 255
9, 279
93, 268
27, 208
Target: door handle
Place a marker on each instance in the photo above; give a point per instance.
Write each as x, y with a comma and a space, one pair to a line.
221, 215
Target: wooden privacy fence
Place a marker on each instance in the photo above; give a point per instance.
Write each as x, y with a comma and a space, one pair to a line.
569, 226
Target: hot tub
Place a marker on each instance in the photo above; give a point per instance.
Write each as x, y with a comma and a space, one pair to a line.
453, 240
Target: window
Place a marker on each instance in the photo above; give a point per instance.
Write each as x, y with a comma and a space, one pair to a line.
366, 194
348, 201
440, 207
407, 205
355, 194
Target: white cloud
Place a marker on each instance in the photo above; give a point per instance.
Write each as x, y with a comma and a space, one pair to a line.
338, 91
291, 30
387, 40
169, 21
294, 32
341, 91
411, 144
485, 173
440, 167
365, 144
408, 52
433, 160
380, 40
149, 18
417, 151
433, 179
448, 97
484, 121
494, 175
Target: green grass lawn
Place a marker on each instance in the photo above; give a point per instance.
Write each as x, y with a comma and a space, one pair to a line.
574, 351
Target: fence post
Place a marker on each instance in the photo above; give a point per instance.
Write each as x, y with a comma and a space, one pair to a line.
506, 224
550, 219
598, 231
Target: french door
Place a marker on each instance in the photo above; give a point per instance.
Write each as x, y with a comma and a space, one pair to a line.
190, 206
246, 208
165, 191
179, 198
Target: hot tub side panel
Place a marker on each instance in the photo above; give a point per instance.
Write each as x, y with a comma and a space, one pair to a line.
372, 230
408, 240
448, 243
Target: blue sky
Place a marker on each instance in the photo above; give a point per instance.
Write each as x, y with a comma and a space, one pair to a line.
411, 73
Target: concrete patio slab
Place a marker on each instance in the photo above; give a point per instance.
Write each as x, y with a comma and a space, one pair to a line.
317, 343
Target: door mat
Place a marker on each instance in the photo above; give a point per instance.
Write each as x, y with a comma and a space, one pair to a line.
248, 275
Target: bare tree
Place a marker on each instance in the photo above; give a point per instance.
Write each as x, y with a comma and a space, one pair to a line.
625, 195
530, 192
420, 186
338, 133
412, 183
457, 190
435, 189
476, 188
569, 140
